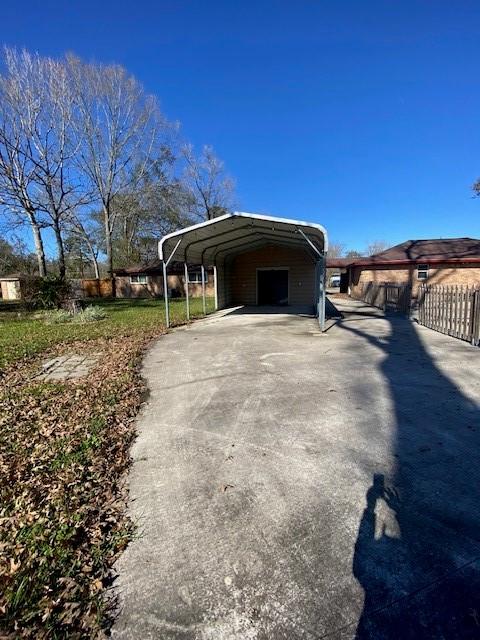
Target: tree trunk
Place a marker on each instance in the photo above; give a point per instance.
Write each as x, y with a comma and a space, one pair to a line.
108, 246
37, 239
61, 250
95, 265
93, 257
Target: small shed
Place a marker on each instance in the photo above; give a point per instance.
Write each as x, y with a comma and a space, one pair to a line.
12, 286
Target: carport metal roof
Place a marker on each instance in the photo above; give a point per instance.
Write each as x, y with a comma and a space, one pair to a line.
213, 241
233, 233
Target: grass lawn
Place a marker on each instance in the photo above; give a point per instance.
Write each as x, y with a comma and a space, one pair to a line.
64, 451
22, 336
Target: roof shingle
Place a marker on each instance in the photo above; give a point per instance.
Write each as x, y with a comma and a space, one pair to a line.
419, 251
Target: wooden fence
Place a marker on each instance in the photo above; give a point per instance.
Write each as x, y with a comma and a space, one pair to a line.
385, 295
398, 297
91, 288
94, 288
454, 310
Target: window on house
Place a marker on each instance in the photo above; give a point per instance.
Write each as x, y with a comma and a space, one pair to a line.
139, 278
195, 277
422, 271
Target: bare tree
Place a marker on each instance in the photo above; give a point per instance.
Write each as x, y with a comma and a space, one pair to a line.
158, 206
377, 246
335, 249
46, 118
84, 237
74, 134
18, 187
120, 127
211, 191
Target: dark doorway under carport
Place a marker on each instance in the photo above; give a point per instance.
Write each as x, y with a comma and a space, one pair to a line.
272, 287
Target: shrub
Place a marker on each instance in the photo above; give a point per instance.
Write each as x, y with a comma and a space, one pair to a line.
45, 293
90, 314
30, 290
57, 316
53, 291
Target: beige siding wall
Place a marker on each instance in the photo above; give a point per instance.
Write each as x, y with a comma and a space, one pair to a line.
154, 287
223, 286
228, 287
447, 274
301, 274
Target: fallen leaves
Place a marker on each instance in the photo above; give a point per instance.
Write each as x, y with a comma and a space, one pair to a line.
64, 450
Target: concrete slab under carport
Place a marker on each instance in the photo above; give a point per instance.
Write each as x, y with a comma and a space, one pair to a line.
292, 484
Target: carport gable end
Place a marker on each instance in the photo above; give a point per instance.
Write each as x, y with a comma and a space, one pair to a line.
220, 241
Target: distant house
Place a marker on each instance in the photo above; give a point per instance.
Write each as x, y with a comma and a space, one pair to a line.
146, 281
12, 286
449, 261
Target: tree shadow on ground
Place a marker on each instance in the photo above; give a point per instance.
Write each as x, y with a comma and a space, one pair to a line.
417, 553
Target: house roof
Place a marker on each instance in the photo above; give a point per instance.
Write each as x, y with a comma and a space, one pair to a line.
338, 263
434, 251
152, 268
431, 250
235, 233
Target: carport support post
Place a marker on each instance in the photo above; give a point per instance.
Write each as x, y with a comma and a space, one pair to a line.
203, 291
216, 286
187, 300
165, 294
320, 281
321, 292
165, 282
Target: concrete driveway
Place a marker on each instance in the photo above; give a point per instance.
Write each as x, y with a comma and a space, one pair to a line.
290, 484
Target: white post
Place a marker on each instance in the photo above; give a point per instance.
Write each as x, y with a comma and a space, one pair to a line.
216, 287
165, 294
186, 291
322, 292
203, 291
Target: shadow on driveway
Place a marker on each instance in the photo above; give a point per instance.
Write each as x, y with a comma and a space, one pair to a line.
417, 551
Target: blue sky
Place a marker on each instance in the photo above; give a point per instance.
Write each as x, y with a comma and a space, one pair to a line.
361, 115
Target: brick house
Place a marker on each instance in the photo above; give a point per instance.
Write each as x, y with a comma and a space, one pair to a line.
449, 261
146, 281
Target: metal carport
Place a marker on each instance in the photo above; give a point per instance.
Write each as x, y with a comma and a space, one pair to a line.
215, 242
